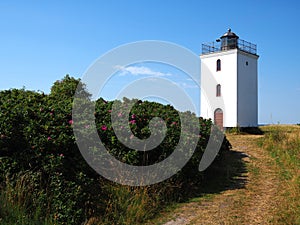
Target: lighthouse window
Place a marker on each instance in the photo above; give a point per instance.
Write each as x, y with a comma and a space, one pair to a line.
218, 94
246, 63
218, 65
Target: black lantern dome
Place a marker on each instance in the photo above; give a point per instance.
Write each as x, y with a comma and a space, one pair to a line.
229, 40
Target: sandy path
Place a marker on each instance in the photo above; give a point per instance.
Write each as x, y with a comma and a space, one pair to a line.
252, 204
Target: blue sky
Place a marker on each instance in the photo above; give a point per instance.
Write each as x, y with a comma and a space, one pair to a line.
41, 41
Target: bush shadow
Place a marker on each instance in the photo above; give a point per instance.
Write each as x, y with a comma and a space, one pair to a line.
228, 172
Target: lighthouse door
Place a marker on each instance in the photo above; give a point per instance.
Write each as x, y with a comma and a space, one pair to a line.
218, 118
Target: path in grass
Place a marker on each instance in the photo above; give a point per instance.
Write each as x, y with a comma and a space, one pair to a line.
254, 203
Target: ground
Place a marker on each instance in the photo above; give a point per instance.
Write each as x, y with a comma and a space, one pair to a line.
250, 199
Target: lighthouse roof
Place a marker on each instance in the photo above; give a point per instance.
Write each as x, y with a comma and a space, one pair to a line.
229, 40
230, 34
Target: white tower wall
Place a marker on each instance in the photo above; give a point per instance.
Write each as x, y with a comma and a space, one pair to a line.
227, 78
247, 89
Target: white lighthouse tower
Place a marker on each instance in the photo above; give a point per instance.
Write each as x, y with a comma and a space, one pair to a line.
229, 82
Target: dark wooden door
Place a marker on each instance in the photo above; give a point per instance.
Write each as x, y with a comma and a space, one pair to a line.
218, 118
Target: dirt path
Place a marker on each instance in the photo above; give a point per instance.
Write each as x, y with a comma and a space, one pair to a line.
254, 203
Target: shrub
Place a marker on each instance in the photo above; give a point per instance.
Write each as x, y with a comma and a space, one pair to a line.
37, 147
36, 136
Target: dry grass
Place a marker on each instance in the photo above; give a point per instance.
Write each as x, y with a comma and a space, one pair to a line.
126, 205
283, 143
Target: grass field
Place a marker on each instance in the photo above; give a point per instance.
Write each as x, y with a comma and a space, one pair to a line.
283, 144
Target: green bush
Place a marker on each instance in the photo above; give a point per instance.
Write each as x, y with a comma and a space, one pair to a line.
36, 136
37, 145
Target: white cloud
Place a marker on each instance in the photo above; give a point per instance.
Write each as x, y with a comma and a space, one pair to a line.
141, 71
185, 85
152, 79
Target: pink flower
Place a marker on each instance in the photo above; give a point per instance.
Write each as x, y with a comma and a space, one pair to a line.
119, 114
71, 122
104, 127
109, 111
133, 116
51, 113
61, 155
49, 138
132, 121
173, 123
